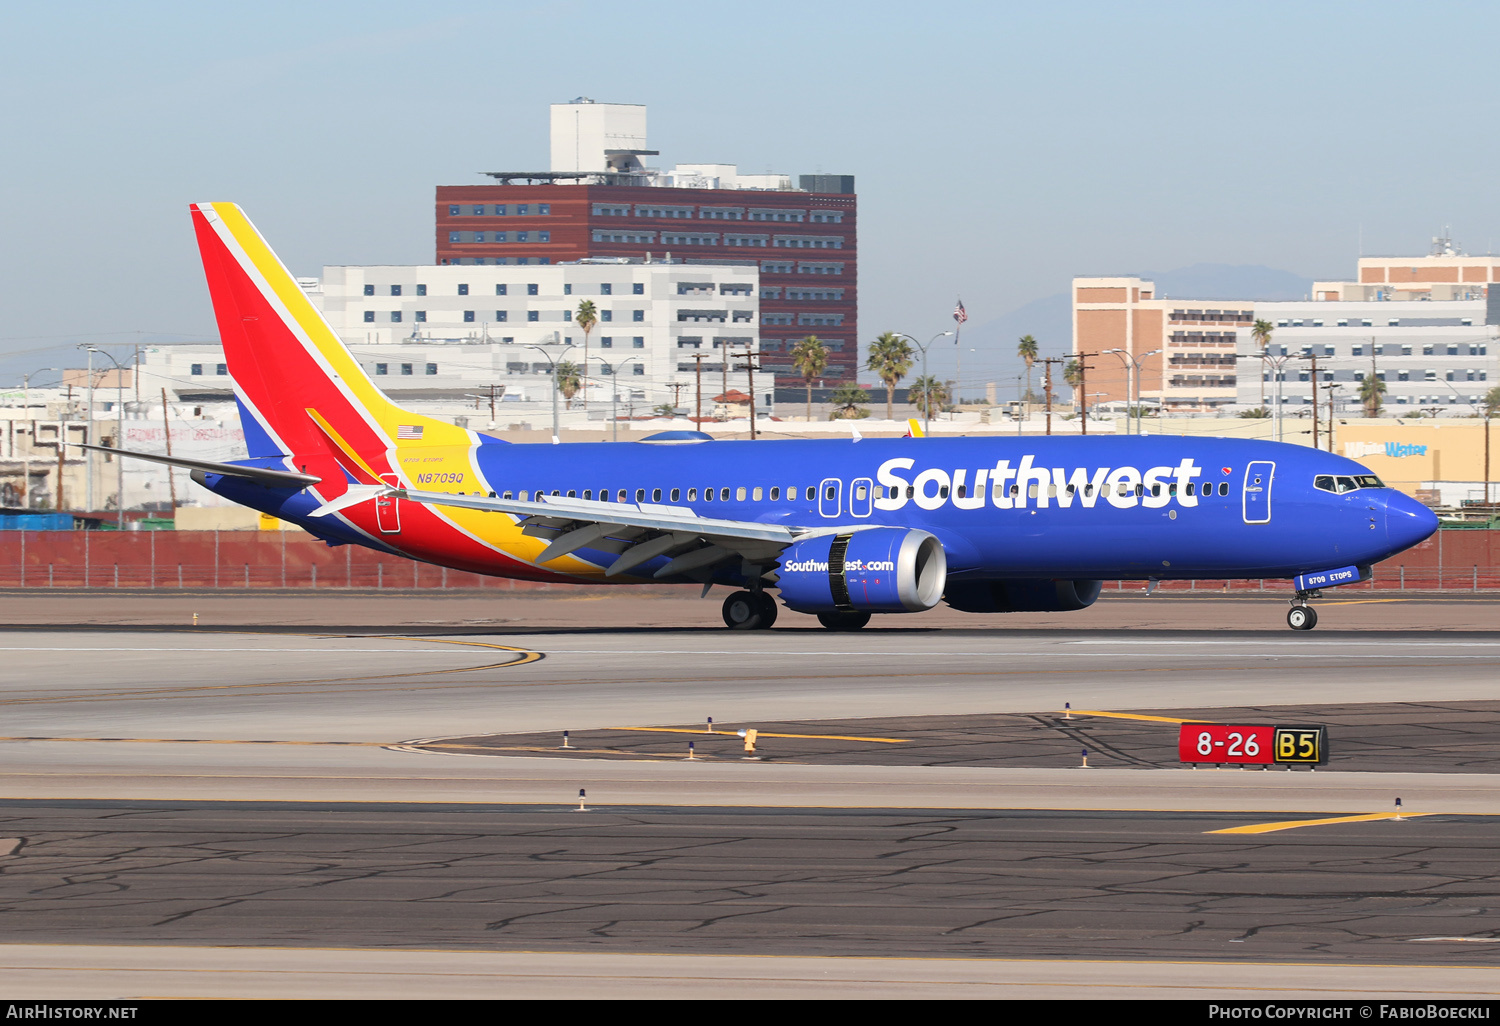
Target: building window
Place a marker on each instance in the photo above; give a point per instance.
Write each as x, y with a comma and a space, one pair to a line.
432, 368
197, 369
637, 315
607, 342
453, 210
369, 290
533, 315
523, 236
531, 290
567, 290
638, 370
454, 236
420, 316
499, 209
381, 368
606, 289
406, 368
568, 315
369, 316
421, 290
638, 343
501, 237
395, 316
544, 208
638, 288
522, 210
463, 290
468, 316
501, 315
395, 290
499, 290
606, 315
543, 236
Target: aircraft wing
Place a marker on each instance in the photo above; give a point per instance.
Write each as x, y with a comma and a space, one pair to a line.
636, 532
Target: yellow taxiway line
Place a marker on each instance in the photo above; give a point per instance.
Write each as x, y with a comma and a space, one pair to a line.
1293, 824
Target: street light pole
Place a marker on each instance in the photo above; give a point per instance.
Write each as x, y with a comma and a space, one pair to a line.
119, 428
552, 372
614, 399
926, 381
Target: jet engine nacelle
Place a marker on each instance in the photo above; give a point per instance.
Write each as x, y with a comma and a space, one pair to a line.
1022, 596
880, 570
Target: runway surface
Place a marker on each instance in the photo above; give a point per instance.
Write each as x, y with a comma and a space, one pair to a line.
267, 788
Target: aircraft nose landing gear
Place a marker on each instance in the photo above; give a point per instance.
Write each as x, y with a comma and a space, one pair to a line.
1302, 617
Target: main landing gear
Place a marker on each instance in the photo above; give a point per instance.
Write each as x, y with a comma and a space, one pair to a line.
1302, 617
749, 611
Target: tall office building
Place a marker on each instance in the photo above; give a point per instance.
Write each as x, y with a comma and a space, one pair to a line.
600, 200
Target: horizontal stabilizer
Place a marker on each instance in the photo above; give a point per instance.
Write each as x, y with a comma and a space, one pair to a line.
260, 475
356, 494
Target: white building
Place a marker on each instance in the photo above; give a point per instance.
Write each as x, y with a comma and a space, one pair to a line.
441, 337
1433, 355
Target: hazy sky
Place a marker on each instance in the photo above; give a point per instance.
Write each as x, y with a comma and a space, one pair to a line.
998, 149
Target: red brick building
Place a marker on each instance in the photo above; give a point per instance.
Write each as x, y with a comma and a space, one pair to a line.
802, 241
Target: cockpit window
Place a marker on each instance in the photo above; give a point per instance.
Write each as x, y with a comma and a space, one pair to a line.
1341, 484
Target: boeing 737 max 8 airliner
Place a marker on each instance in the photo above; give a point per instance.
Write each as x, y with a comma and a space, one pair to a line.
841, 529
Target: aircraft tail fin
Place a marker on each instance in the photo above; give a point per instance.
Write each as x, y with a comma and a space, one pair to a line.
913, 429
301, 392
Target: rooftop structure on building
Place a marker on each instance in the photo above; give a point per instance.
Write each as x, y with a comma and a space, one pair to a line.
600, 200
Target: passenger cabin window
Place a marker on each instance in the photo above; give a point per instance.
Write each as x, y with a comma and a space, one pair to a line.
692, 495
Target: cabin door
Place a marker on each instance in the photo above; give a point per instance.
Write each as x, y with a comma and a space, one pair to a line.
1257, 492
388, 509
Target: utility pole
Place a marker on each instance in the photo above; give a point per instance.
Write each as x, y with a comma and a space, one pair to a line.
677, 387
166, 424
1083, 391
1047, 388
1314, 358
88, 454
751, 357
698, 359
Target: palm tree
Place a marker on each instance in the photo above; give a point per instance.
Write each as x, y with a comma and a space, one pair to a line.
568, 380
1370, 391
927, 390
1260, 333
1026, 350
810, 357
890, 358
587, 318
847, 398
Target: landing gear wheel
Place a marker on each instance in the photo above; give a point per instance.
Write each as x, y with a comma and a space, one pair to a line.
843, 621
747, 611
1302, 618
768, 609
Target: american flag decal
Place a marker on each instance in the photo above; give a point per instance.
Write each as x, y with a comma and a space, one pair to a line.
408, 432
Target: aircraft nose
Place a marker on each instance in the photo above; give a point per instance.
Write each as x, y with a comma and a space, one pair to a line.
1407, 521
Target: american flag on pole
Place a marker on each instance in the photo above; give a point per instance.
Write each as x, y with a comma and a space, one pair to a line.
408, 432
958, 312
